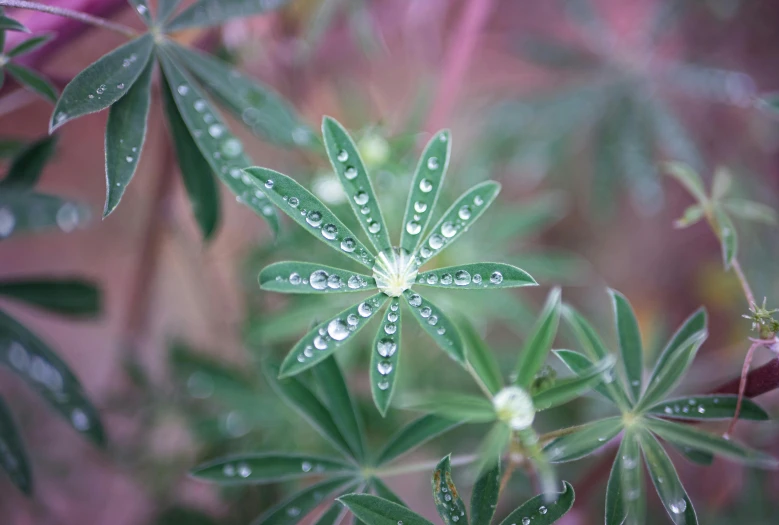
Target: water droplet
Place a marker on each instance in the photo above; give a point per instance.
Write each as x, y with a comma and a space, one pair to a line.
384, 385
374, 227
386, 347
455, 518
668, 410
101, 89
128, 158
120, 86
433, 320
7, 221
338, 329
142, 9
293, 511
701, 409
476, 278
228, 470
199, 105
67, 217
334, 282
413, 227
314, 218
432, 278
364, 309
355, 281
420, 207
329, 231
415, 300
462, 278
350, 173
542, 509
441, 331
446, 278
496, 278
384, 368
320, 343
91, 96
678, 507
464, 213
425, 312
348, 245
80, 420
425, 252
294, 278
478, 201
361, 198
448, 497
392, 317
318, 280
183, 89
525, 521
216, 130
448, 229
436, 241
432, 163
629, 462
231, 148
343, 156
425, 185
390, 328
305, 466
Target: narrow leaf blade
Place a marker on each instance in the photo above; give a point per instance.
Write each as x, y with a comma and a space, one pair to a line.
564, 391
631, 474
9, 24
629, 342
385, 357
728, 237
484, 498
750, 211
478, 276
539, 342
456, 406
14, 458
295, 508
307, 278
666, 379
28, 212
447, 499
68, 297
270, 467
481, 358
33, 81
579, 364
709, 407
378, 511
433, 321
29, 45
689, 179
541, 512
413, 435
206, 13
27, 166
585, 440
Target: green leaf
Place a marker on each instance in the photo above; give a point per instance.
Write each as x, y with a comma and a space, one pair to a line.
270, 467
689, 179
299, 397
258, 106
142, 8
456, 406
14, 458
302, 277
378, 511
433, 320
328, 336
687, 436
723, 180
666, 481
205, 13
195, 170
692, 325
492, 446
25, 211
347, 164
538, 343
9, 24
33, 81
218, 146
479, 276
9, 148
629, 342
715, 406
566, 390
631, 476
385, 357
335, 512
295, 508
584, 440
615, 507
69, 297
484, 497
728, 237
383, 491
585, 334
338, 400
691, 216
425, 189
750, 211
125, 134
413, 435
540, 511
480, 357
165, 9
458, 218
447, 500
579, 364
44, 372
665, 380
27, 165
308, 211
103, 82
29, 45
694, 456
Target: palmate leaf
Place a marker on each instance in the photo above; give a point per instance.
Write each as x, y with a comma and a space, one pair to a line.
27, 165
269, 468
69, 297
629, 342
456, 406
35, 363
205, 13
308, 211
479, 276
579, 364
32, 81
328, 336
311, 278
539, 511
445, 495
689, 179
584, 440
413, 435
480, 357
539, 342
425, 189
28, 212
295, 508
377, 511
484, 497
13, 458
385, 357
103, 82
458, 218
568, 389
433, 321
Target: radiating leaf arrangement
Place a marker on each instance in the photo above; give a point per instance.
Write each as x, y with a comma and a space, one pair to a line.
377, 510
512, 408
25, 76
333, 414
204, 145
647, 414
395, 269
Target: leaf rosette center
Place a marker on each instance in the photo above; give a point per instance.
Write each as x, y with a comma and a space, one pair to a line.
395, 271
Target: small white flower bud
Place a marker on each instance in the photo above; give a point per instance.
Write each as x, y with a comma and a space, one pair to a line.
515, 407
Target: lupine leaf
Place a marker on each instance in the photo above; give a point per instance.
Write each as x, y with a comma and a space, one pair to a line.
103, 82
715, 406
691, 216
413, 435
728, 237
308, 211
385, 357
31, 44
196, 172
484, 497
328, 336
539, 342
25, 211
458, 218
566, 390
481, 358
44, 372
33, 81
615, 506
629, 342
689, 179
347, 164
300, 398
695, 456
723, 180
308, 278
541, 512
69, 297
694, 324
259, 107
383, 491
219, 147
423, 196
13, 459
27, 166
271, 467
9, 24
456, 406
165, 8
492, 446
433, 320
750, 210
124, 137
335, 513
631, 476
377, 511
205, 13
685, 435
664, 380
142, 8
338, 400
579, 364
447, 499
295, 508
479, 276
666, 481
585, 440
585, 334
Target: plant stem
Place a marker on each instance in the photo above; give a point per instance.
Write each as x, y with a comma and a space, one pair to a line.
744, 283
478, 380
743, 384
549, 436
69, 13
456, 461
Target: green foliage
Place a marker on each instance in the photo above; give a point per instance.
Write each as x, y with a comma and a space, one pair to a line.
25, 76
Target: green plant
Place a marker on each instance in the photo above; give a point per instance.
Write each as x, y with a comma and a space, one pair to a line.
24, 75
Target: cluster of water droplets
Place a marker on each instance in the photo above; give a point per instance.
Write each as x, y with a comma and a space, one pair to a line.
359, 195
449, 229
68, 216
692, 405
322, 280
240, 469
455, 512
395, 270
387, 346
427, 313
414, 225
461, 278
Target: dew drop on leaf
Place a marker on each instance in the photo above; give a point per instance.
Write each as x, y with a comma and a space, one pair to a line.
314, 218
343, 156
496, 278
318, 280
337, 329
329, 231
420, 207
425, 185
364, 309
7, 222
462, 278
432, 163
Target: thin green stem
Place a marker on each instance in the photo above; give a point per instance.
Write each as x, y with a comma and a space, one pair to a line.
456, 461
744, 283
478, 380
549, 436
69, 13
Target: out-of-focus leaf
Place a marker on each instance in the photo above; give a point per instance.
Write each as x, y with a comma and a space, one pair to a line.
438, 326
492, 447
555, 54
383, 491
13, 458
723, 180
334, 514
716, 406
539, 342
666, 481
691, 216
103, 82
484, 497
29, 45
477, 276
70, 297
33, 81
26, 212
413, 435
480, 357
43, 371
385, 357
268, 468
27, 165
124, 137
205, 13
728, 237
566, 390
9, 24
9, 148
165, 9
674, 139
584, 440
295, 508
629, 342
445, 495
540, 511
697, 457
769, 102
665, 380
689, 179
142, 8
750, 210
378, 511
456, 406
310, 278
